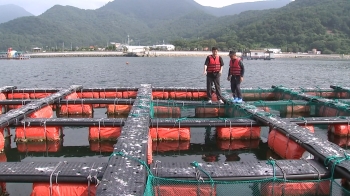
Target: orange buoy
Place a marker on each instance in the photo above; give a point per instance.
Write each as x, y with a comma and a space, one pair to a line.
284, 146
296, 188
118, 109
104, 133
199, 95
340, 130
2, 139
54, 189
111, 94
72, 96
76, 109
310, 127
326, 111
162, 133
18, 96
180, 189
45, 112
160, 95
39, 95
341, 141
38, 133
129, 94
202, 112
180, 95
171, 111
2, 97
94, 95
231, 133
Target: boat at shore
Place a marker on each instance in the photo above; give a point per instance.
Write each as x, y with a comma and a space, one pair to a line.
13, 54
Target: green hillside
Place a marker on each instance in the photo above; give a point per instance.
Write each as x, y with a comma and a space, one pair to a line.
297, 27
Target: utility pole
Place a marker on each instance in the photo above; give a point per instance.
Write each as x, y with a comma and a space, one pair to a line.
62, 46
71, 47
128, 40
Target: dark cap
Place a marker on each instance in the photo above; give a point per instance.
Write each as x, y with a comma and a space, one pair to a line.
214, 48
232, 53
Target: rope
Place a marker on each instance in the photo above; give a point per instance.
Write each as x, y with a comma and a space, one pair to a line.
285, 152
24, 130
99, 131
291, 101
82, 106
157, 179
152, 108
199, 178
230, 132
274, 137
273, 163
196, 165
318, 172
89, 178
57, 176
284, 178
157, 137
59, 163
251, 130
179, 121
45, 132
336, 160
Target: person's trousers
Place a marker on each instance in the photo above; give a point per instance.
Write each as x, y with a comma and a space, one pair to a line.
236, 86
214, 78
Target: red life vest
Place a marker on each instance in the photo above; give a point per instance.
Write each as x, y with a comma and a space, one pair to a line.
214, 64
235, 69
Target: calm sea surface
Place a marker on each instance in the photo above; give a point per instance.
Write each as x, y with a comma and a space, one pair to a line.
159, 71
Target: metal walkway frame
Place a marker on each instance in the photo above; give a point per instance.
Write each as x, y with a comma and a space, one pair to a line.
125, 175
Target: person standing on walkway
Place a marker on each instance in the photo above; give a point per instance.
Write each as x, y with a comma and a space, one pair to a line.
213, 70
235, 76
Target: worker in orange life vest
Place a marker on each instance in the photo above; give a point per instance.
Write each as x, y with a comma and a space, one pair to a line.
235, 76
213, 69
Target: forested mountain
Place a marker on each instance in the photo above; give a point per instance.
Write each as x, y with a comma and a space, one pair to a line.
299, 26
10, 12
152, 12
242, 7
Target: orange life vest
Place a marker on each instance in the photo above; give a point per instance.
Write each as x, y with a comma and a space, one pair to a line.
214, 64
235, 69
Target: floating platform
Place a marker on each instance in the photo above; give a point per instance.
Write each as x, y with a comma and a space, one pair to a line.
288, 113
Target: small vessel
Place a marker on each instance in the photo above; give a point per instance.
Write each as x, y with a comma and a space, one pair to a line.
13, 54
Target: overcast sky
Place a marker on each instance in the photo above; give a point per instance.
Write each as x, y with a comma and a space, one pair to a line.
37, 7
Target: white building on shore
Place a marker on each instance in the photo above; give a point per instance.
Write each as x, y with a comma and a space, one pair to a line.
167, 47
274, 50
134, 49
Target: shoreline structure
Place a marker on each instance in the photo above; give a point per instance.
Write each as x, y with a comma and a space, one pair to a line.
173, 54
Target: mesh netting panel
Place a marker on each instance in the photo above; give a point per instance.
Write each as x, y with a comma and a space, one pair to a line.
276, 187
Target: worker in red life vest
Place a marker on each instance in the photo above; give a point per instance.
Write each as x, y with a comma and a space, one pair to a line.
213, 69
235, 76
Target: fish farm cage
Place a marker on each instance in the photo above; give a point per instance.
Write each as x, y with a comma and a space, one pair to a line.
143, 124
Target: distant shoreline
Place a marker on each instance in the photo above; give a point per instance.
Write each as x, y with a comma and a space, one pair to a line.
173, 54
